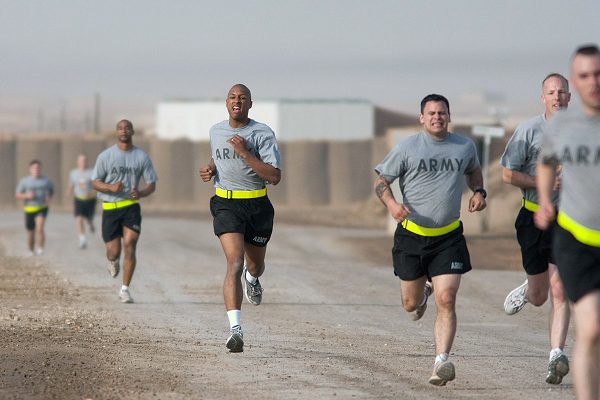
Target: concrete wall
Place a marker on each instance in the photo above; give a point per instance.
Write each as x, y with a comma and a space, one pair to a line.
315, 173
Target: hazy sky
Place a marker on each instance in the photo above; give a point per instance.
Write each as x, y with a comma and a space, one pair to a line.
390, 52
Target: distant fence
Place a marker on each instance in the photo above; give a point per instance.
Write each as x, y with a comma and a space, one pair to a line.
314, 173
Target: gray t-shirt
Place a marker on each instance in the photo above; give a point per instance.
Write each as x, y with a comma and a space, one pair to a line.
41, 187
573, 139
431, 173
523, 149
232, 172
81, 181
115, 165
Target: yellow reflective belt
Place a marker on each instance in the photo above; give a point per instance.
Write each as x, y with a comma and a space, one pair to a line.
582, 233
529, 205
423, 231
241, 194
113, 205
33, 209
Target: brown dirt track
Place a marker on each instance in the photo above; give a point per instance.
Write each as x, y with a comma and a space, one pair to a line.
331, 325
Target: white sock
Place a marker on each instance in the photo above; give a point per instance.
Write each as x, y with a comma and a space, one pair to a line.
441, 358
124, 287
555, 352
250, 278
234, 317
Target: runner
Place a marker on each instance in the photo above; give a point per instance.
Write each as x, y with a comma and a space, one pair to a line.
573, 140
245, 157
430, 251
116, 177
36, 192
84, 203
518, 169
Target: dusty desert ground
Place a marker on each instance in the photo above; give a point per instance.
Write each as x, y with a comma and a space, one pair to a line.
330, 327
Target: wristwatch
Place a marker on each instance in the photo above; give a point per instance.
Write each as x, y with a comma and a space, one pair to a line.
482, 191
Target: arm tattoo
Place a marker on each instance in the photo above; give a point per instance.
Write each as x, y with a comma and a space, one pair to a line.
381, 187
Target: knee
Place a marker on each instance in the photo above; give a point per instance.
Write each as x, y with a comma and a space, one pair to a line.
410, 304
588, 333
235, 266
446, 300
558, 294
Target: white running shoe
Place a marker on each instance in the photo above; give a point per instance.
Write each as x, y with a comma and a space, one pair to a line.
443, 372
515, 301
558, 367
125, 296
113, 268
82, 242
418, 313
235, 341
38, 252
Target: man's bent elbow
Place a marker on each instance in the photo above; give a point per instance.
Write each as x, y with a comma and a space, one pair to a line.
506, 175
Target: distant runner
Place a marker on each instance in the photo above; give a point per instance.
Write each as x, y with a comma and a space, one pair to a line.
117, 177
245, 158
429, 245
518, 169
36, 191
84, 203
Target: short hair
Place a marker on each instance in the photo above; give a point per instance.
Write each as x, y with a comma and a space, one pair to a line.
127, 121
35, 161
587, 50
434, 97
556, 75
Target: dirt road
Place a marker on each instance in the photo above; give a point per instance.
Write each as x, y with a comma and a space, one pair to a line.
330, 326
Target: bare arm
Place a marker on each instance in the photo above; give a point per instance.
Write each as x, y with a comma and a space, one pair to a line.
266, 171
517, 178
24, 195
147, 190
107, 187
398, 211
475, 181
546, 174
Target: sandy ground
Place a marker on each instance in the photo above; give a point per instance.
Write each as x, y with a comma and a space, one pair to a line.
330, 326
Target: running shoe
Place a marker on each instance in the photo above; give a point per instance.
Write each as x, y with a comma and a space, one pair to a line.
443, 372
515, 301
38, 252
113, 268
235, 341
125, 296
253, 291
558, 367
418, 313
82, 242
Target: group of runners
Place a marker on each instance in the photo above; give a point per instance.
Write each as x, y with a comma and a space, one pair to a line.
554, 159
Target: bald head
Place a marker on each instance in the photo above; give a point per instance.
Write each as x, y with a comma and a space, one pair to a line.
240, 87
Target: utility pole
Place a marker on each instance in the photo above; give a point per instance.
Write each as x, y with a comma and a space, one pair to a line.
97, 113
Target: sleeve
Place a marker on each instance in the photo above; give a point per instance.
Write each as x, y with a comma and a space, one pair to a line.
474, 163
393, 165
517, 148
149, 174
268, 149
99, 172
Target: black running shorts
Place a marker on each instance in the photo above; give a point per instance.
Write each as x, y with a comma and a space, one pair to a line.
536, 245
30, 218
415, 256
85, 208
251, 217
578, 264
113, 221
